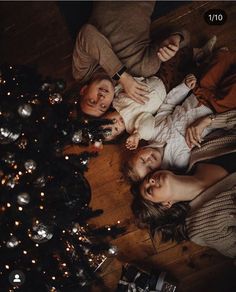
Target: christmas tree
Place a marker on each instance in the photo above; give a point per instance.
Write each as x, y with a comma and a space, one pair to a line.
46, 243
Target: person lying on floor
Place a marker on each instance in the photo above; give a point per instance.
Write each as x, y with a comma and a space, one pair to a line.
199, 206
116, 45
174, 139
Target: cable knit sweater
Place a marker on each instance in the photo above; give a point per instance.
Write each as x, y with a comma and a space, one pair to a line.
212, 219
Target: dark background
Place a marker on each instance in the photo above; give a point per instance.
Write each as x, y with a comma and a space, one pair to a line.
76, 13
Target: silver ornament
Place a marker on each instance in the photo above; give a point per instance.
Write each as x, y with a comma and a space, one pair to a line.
40, 233
23, 199
30, 165
46, 86
25, 110
113, 250
12, 242
77, 137
55, 98
22, 143
40, 182
6, 136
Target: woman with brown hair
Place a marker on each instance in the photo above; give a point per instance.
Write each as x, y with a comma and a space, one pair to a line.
200, 206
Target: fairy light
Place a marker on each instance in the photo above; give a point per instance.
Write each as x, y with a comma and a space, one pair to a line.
37, 221
17, 223
33, 261
118, 222
36, 245
9, 93
66, 157
67, 249
43, 118
8, 205
53, 278
64, 264
42, 194
24, 252
109, 228
7, 267
41, 207
20, 208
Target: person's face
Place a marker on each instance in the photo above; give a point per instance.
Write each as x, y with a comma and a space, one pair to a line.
117, 127
96, 97
145, 161
158, 187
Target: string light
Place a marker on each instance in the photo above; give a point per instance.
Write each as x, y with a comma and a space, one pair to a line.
53, 278
33, 261
41, 207
42, 194
118, 222
66, 157
7, 267
109, 228
24, 252
8, 205
17, 223
20, 208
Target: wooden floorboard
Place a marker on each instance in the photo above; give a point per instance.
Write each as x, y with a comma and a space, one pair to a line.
36, 33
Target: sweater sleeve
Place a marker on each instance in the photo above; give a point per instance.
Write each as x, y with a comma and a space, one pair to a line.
144, 125
93, 48
225, 120
174, 97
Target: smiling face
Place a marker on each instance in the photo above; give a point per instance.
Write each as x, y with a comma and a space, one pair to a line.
117, 127
96, 97
158, 187
145, 161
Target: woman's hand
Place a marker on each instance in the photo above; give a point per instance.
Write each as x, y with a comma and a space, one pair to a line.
190, 80
194, 131
169, 47
136, 90
132, 141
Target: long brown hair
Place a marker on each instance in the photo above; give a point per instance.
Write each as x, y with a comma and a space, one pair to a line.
169, 222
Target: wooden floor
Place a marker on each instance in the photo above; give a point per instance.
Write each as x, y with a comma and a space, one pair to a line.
35, 33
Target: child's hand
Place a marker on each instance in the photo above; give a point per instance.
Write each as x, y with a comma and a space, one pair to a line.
190, 80
132, 141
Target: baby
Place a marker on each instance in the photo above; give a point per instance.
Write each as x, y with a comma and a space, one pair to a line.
173, 138
138, 120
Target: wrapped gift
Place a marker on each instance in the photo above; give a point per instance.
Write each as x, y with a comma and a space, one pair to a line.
135, 280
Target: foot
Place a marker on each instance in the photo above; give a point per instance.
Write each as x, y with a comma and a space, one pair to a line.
201, 54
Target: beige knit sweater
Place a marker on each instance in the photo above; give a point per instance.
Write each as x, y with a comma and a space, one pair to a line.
117, 34
212, 219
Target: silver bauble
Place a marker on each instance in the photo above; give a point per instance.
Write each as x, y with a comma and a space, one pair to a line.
55, 98
30, 165
40, 233
40, 182
23, 199
25, 110
77, 137
6, 136
113, 250
12, 242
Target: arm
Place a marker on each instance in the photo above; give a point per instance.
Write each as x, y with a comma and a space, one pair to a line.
93, 48
225, 120
144, 127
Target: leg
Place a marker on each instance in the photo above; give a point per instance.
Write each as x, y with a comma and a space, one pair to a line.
218, 67
218, 87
